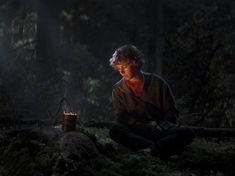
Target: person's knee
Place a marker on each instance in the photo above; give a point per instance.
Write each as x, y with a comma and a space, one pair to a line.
116, 132
189, 135
186, 135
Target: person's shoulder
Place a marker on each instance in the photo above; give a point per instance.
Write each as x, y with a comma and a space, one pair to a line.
153, 77
118, 85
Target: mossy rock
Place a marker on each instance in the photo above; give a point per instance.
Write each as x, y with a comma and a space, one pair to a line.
79, 146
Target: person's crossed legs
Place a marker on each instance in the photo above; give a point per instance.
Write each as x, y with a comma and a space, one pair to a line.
168, 143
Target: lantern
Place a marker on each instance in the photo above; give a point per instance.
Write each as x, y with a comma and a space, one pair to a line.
69, 121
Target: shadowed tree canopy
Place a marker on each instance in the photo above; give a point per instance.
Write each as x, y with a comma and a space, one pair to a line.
50, 50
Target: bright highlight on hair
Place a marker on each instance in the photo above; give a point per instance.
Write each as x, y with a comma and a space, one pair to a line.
127, 54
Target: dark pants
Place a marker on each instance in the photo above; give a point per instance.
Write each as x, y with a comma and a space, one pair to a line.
168, 143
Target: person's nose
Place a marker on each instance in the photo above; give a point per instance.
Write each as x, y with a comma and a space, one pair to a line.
122, 71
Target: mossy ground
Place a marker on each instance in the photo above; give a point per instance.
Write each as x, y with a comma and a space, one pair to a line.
29, 155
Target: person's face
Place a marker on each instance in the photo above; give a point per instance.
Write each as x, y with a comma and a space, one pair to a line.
126, 70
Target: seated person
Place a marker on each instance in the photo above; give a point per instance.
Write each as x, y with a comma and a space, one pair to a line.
145, 108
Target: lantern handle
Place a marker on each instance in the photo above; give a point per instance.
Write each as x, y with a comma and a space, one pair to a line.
64, 99
61, 107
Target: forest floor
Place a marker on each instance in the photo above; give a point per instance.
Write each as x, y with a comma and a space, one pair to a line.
37, 152
205, 156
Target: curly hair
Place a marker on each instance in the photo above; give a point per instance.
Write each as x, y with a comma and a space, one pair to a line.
127, 54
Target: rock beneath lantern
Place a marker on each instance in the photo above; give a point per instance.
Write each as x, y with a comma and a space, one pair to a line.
77, 145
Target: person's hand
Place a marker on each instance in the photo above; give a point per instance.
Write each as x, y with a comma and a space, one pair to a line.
154, 129
150, 130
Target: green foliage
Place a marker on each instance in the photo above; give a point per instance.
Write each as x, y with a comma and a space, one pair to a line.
102, 134
196, 155
201, 55
64, 53
24, 154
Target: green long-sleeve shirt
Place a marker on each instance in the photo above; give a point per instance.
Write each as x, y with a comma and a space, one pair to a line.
155, 104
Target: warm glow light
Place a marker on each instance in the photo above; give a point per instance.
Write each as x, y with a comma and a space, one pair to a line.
69, 113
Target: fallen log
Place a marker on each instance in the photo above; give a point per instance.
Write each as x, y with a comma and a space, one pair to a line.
213, 132
200, 131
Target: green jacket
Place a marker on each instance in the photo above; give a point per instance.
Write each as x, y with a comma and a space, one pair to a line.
156, 103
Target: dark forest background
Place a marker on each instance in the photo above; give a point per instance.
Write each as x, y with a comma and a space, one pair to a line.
54, 49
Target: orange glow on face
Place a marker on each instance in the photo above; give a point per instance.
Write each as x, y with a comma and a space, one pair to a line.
126, 70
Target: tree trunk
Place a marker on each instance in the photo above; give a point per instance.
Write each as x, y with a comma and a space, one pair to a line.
48, 37
156, 40
47, 53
